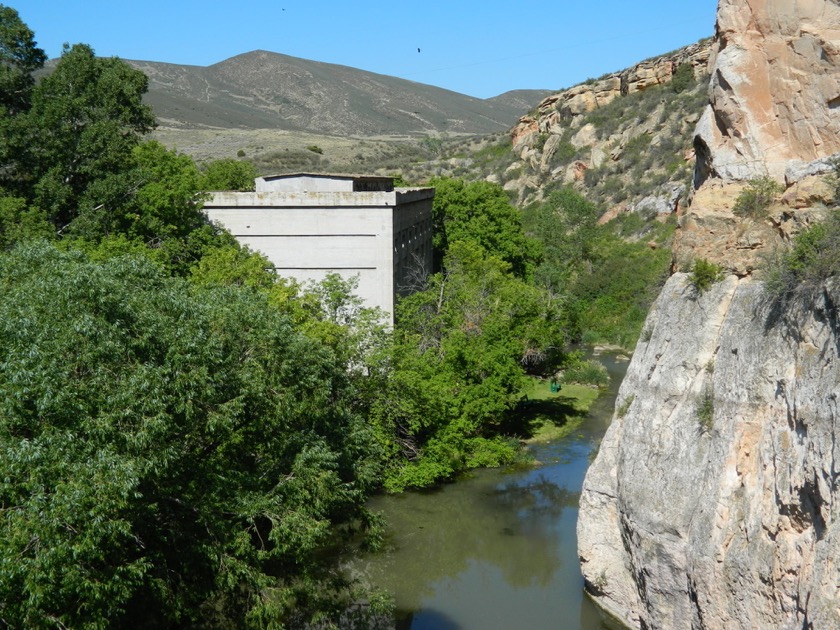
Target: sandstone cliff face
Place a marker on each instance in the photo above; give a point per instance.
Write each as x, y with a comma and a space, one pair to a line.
775, 90
713, 502
624, 140
561, 111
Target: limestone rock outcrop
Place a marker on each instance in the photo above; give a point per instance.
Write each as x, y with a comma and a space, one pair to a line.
714, 501
560, 111
775, 88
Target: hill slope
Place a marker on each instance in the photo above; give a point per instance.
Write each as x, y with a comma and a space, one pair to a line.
265, 90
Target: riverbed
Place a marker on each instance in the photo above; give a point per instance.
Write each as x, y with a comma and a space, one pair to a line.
496, 549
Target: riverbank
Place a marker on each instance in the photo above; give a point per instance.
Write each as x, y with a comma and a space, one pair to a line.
497, 548
552, 415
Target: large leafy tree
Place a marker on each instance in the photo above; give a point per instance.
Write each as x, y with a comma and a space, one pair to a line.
19, 58
70, 148
480, 212
462, 351
170, 452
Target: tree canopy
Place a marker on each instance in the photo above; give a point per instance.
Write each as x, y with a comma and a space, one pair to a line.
480, 212
168, 450
19, 58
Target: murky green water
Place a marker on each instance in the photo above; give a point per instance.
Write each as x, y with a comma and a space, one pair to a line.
497, 549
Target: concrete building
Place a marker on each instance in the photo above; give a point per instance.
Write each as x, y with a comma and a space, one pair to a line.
309, 225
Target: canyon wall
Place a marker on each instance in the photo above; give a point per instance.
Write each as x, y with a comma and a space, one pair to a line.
775, 88
713, 501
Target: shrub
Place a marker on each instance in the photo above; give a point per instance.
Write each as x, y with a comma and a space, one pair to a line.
585, 372
683, 78
754, 200
704, 274
706, 410
624, 407
814, 257
315, 149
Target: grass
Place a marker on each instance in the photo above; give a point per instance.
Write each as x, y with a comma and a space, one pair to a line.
545, 416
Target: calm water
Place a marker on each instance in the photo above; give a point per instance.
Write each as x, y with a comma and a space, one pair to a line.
496, 549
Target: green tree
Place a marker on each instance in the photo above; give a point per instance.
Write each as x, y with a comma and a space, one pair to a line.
171, 453
229, 174
463, 348
69, 150
480, 212
19, 58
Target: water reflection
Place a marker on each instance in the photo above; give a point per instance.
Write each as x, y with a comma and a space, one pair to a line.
495, 550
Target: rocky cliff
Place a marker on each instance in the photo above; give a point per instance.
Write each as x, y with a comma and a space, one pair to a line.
775, 89
713, 501
620, 139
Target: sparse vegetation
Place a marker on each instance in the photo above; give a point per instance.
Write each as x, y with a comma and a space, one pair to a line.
756, 198
622, 409
683, 78
704, 274
706, 409
814, 257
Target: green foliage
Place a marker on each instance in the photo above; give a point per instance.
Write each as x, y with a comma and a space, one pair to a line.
171, 454
481, 213
683, 78
564, 153
582, 371
229, 174
605, 282
69, 150
19, 58
20, 222
462, 350
541, 139
814, 257
706, 410
754, 200
704, 274
231, 265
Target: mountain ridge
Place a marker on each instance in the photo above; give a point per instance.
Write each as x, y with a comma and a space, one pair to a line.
264, 89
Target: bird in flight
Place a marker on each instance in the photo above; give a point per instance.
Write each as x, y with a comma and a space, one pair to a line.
418, 50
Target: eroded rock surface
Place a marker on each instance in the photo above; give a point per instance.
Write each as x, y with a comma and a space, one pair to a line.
775, 88
713, 502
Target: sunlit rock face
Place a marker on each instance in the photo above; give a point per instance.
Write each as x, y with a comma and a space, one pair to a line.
714, 501
775, 88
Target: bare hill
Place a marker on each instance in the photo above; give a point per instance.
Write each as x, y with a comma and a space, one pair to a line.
265, 90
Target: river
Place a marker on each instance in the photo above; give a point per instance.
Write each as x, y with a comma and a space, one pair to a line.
497, 549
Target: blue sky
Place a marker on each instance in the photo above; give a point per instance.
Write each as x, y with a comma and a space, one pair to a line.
476, 48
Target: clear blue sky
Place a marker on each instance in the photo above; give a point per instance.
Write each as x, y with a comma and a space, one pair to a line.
476, 48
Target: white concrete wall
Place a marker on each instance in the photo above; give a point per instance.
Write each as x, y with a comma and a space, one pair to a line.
307, 235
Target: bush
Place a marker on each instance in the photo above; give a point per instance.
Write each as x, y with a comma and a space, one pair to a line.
814, 257
754, 200
683, 78
706, 410
585, 372
704, 274
169, 451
